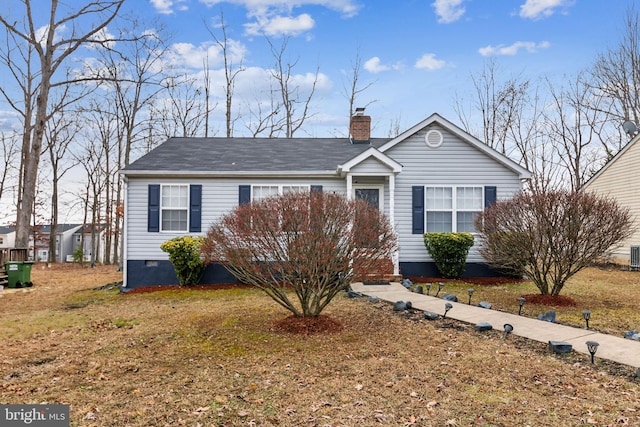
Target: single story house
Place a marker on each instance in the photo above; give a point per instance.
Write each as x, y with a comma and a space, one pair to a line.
618, 179
431, 177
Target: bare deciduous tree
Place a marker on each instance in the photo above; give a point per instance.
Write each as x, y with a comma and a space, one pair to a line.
181, 112
41, 52
131, 75
498, 102
61, 132
9, 148
230, 72
295, 103
615, 76
550, 236
354, 88
574, 125
302, 242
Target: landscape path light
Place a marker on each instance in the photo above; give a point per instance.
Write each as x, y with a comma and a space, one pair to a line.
508, 328
592, 346
587, 315
448, 306
440, 286
428, 286
521, 301
470, 291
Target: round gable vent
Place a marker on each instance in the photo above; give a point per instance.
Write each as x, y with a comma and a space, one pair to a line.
433, 138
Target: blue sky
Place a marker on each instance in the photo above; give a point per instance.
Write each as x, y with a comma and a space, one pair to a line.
417, 54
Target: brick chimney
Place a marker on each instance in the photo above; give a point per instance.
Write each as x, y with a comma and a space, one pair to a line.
360, 127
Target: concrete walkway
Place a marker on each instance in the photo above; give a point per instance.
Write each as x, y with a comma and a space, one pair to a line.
612, 348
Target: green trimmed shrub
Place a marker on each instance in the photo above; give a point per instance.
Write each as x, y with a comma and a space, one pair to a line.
184, 254
449, 251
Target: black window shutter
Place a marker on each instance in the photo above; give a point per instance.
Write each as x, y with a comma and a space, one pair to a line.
195, 208
317, 188
417, 209
244, 194
490, 193
153, 214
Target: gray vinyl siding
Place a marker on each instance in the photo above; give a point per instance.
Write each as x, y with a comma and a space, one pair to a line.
371, 166
218, 197
454, 163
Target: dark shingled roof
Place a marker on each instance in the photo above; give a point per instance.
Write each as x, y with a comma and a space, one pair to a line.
60, 228
6, 229
250, 154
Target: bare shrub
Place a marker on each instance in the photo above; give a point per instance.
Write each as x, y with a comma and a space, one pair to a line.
550, 236
310, 244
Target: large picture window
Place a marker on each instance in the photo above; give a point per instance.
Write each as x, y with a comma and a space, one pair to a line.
174, 208
452, 209
260, 192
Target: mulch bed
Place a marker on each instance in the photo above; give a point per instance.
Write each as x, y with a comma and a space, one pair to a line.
553, 301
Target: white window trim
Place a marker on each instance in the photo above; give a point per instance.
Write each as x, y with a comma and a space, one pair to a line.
280, 187
454, 204
186, 230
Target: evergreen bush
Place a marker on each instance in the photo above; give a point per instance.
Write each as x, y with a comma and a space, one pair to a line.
184, 254
449, 251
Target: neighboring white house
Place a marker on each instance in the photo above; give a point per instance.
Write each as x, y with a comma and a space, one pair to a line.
7, 236
432, 177
619, 179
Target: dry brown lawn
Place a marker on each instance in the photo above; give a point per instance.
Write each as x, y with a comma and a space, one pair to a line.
214, 358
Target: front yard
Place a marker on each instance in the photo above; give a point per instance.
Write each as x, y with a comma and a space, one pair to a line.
214, 358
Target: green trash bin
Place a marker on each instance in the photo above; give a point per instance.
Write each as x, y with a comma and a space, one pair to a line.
19, 274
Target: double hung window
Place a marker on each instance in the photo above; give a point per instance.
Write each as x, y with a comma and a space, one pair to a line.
174, 208
452, 209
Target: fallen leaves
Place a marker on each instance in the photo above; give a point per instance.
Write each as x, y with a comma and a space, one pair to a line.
181, 367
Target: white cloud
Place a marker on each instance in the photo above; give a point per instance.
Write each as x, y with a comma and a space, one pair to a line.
374, 66
513, 49
166, 7
348, 8
102, 36
536, 9
448, 11
187, 55
281, 25
41, 33
429, 62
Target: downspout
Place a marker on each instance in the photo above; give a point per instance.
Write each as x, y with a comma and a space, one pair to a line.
392, 220
123, 238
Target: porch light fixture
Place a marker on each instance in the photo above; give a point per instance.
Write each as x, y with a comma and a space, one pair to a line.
428, 286
521, 301
587, 315
508, 328
592, 346
440, 286
470, 291
448, 306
